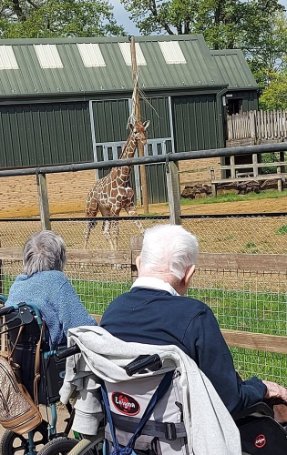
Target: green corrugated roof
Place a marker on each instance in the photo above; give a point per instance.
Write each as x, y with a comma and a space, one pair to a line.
199, 72
234, 69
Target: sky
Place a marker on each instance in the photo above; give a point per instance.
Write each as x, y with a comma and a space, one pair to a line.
122, 16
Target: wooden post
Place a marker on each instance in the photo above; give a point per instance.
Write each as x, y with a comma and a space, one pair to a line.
44, 202
255, 164
214, 189
279, 181
282, 159
232, 167
138, 117
173, 191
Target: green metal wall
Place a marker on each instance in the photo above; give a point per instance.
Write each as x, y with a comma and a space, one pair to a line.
248, 99
110, 119
197, 123
44, 134
156, 110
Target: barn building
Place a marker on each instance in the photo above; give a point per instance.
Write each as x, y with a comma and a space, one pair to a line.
68, 100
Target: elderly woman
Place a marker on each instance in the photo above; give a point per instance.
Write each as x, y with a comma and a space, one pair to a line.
44, 285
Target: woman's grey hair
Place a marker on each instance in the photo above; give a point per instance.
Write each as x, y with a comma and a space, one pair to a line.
168, 249
44, 250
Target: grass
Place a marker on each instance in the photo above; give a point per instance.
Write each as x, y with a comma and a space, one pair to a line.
237, 310
282, 230
232, 197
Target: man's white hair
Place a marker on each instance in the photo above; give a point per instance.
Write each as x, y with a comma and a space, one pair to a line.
168, 249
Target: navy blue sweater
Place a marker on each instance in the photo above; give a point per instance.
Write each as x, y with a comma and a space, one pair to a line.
156, 317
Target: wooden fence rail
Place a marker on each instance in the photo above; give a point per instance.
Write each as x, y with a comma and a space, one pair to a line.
258, 125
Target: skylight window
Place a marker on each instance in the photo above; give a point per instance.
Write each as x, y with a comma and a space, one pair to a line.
48, 56
172, 52
91, 55
126, 53
7, 58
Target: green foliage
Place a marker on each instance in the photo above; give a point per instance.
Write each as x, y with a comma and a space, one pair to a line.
275, 94
232, 197
282, 230
250, 247
56, 18
272, 157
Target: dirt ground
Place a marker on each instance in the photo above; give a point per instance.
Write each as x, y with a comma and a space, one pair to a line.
257, 206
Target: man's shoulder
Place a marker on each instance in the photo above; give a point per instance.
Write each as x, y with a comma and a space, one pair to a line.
192, 305
183, 303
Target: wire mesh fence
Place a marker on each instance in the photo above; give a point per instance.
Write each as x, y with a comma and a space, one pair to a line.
251, 234
241, 300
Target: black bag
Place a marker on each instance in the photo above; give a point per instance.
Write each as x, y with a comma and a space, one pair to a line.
262, 435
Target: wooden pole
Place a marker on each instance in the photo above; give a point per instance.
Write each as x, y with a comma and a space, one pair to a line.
137, 114
44, 202
173, 191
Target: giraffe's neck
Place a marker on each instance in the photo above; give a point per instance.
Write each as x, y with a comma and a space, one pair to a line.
128, 152
129, 148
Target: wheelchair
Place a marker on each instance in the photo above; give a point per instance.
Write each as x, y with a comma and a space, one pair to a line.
43, 440
260, 433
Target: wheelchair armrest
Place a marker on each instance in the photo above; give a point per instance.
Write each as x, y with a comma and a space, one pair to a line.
258, 408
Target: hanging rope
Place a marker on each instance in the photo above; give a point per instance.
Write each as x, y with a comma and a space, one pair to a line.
132, 118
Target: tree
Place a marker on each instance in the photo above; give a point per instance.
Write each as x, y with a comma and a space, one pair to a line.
275, 95
56, 18
258, 27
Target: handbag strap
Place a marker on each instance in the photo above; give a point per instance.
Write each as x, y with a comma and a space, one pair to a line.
37, 364
10, 355
158, 394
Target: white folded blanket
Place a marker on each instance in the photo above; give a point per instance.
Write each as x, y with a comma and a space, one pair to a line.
210, 427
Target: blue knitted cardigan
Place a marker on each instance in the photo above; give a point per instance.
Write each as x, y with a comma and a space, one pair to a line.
56, 299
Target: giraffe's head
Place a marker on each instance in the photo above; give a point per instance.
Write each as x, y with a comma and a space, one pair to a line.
138, 131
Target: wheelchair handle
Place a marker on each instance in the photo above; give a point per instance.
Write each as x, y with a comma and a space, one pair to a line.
275, 401
143, 362
6, 310
68, 352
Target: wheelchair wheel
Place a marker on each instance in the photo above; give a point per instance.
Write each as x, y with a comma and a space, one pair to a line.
87, 447
58, 446
12, 443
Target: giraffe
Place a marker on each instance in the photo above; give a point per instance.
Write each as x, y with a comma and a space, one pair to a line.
113, 192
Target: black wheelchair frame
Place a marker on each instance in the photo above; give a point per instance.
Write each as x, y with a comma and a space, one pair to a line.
260, 433
52, 371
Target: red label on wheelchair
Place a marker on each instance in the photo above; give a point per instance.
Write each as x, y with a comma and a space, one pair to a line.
260, 441
125, 403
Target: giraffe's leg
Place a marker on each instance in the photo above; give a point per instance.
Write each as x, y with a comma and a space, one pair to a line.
131, 211
115, 234
107, 228
90, 224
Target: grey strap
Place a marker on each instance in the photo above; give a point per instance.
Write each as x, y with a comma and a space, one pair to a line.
163, 430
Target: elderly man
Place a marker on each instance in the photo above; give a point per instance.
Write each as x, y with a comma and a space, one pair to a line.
156, 312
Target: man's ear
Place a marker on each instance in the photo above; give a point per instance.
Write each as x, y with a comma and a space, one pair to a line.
188, 274
138, 262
